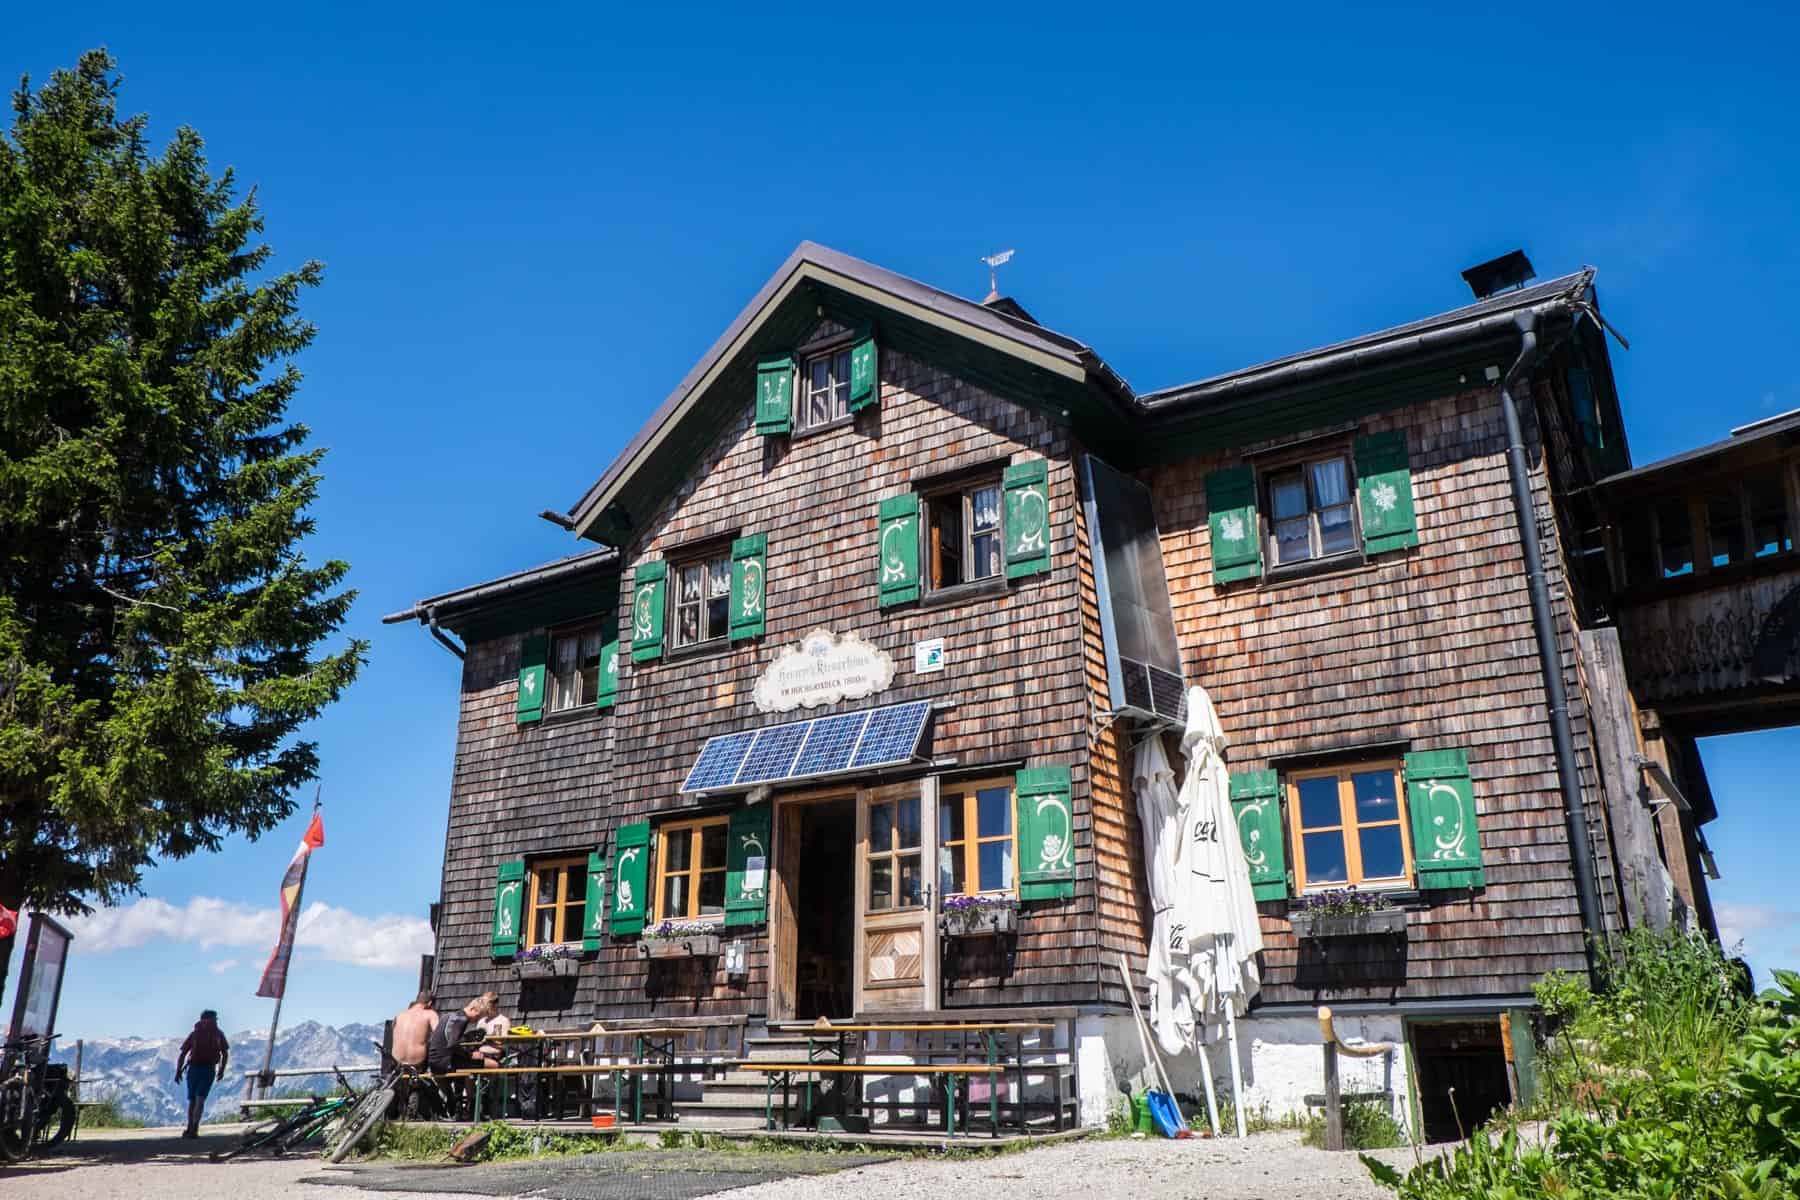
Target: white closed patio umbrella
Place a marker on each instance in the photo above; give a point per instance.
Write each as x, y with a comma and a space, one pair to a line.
1222, 929
1173, 986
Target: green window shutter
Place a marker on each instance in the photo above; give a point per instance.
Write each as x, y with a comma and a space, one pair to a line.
608, 691
1236, 534
531, 678
775, 395
1046, 825
747, 586
1256, 803
747, 866
649, 583
865, 386
593, 930
1026, 487
1384, 486
509, 901
899, 550
631, 878
1446, 840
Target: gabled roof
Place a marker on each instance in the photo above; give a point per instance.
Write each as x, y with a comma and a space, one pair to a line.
1047, 365
560, 590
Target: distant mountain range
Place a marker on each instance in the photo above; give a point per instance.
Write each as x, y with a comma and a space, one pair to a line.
140, 1072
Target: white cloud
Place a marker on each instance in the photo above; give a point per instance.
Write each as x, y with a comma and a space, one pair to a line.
222, 966
1767, 934
388, 942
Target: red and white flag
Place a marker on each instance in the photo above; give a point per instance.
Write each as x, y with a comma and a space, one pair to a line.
274, 977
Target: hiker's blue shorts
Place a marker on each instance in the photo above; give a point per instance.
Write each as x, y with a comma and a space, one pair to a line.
200, 1080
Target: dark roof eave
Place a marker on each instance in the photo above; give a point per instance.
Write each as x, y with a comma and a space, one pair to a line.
1471, 324
507, 586
1687, 459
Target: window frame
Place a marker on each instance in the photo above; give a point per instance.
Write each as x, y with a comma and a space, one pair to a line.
837, 388
552, 682
572, 873
1301, 464
893, 855
694, 828
1344, 773
964, 489
969, 845
705, 557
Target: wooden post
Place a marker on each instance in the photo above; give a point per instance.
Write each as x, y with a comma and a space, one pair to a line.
75, 1085
1334, 1101
1643, 878
1512, 1067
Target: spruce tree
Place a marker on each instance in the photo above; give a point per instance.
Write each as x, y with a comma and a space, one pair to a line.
161, 633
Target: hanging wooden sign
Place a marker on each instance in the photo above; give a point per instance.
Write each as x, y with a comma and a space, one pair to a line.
823, 668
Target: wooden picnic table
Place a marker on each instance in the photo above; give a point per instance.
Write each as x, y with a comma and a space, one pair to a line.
618, 1072
657, 1040
991, 1034
952, 1075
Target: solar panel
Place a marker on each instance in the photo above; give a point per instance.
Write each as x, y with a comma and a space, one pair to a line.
719, 761
773, 755
880, 737
892, 735
830, 744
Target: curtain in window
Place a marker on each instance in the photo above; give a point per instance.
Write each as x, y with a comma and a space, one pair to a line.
1331, 483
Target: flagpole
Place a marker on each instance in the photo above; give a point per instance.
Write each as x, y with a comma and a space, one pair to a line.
264, 1078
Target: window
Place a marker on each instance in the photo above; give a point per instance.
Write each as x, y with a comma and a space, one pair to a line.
558, 901
896, 877
963, 535
1349, 827
825, 387
575, 668
1674, 536
690, 869
702, 600
1311, 511
975, 839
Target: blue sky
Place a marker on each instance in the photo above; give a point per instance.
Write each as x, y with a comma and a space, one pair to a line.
532, 227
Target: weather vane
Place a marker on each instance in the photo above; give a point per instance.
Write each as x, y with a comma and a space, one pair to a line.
994, 263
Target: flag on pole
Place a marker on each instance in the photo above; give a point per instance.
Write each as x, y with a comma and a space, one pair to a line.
274, 977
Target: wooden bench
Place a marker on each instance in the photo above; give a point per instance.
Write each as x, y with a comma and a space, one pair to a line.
992, 1036
618, 1072
953, 1076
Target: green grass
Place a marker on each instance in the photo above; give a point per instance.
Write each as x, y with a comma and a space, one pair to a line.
1367, 1126
106, 1114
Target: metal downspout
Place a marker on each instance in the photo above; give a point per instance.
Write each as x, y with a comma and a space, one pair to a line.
1549, 654
431, 623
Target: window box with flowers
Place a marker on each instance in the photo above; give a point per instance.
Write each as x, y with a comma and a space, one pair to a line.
1345, 912
680, 939
547, 962
979, 916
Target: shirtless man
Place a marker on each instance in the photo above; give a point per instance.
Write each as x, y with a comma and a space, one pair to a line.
413, 1029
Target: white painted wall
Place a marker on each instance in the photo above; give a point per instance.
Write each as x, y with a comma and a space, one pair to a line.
1281, 1059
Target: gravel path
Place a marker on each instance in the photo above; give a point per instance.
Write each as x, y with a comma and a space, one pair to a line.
1265, 1166
156, 1165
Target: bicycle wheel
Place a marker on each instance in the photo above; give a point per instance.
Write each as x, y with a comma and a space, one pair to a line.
254, 1136
55, 1126
18, 1120
367, 1115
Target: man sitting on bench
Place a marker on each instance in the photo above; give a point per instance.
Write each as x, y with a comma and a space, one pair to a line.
446, 1053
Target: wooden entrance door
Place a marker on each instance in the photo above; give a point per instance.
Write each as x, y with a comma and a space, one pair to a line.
896, 936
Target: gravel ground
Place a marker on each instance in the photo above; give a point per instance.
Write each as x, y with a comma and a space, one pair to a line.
1265, 1166
156, 1165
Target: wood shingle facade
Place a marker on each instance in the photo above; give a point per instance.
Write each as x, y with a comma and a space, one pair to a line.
1367, 633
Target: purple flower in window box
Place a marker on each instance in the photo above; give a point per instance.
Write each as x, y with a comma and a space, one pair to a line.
1345, 912
978, 916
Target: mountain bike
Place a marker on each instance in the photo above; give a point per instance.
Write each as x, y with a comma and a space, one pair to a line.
419, 1088
309, 1123
37, 1110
